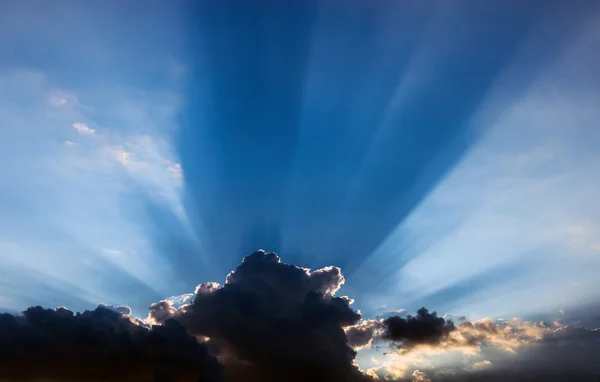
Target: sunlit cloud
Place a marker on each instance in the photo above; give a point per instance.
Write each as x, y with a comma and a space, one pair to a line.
419, 376
482, 364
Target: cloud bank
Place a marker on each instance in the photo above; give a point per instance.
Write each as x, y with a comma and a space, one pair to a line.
100, 344
272, 321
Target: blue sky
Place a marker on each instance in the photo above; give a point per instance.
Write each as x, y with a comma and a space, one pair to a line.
438, 162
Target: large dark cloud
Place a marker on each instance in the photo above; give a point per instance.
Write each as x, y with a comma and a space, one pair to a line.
275, 321
103, 344
424, 328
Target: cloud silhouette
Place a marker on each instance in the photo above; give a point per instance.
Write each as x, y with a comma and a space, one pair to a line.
99, 344
272, 321
424, 328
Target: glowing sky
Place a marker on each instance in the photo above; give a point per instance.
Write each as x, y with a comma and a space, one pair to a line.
441, 155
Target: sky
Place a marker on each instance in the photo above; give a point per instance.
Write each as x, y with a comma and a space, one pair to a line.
441, 155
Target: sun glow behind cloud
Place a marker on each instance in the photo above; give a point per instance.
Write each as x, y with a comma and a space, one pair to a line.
88, 159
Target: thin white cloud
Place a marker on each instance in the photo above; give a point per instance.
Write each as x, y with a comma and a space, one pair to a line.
149, 161
83, 129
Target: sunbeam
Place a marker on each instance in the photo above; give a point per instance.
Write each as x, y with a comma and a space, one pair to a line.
519, 199
427, 172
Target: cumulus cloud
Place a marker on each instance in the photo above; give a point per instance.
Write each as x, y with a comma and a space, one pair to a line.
327, 280
83, 129
160, 312
101, 344
273, 321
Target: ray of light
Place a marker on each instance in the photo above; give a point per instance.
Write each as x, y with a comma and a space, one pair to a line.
521, 201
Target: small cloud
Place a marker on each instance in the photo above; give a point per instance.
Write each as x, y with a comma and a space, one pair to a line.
419, 376
83, 129
481, 364
69, 143
561, 311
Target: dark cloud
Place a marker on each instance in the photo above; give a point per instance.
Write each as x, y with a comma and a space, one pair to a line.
99, 345
123, 310
424, 328
274, 321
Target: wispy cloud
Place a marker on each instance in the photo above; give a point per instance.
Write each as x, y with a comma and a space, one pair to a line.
60, 99
83, 129
82, 185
